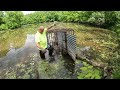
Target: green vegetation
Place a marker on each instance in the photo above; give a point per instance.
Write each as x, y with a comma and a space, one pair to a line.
105, 42
14, 19
1, 17
11, 20
106, 19
88, 72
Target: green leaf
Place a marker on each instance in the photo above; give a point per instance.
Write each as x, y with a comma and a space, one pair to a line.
84, 68
91, 71
88, 75
80, 77
90, 67
97, 77
92, 77
96, 72
85, 64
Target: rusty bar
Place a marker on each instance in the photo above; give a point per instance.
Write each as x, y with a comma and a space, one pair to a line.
65, 41
54, 38
71, 32
57, 37
68, 32
50, 39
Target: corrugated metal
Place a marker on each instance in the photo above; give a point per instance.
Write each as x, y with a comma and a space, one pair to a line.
71, 45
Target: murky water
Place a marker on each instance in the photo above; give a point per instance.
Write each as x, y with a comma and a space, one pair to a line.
18, 46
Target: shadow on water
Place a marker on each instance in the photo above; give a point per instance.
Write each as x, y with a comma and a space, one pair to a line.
69, 64
52, 59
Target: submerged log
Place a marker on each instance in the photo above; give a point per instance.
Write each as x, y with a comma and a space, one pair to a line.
87, 54
93, 62
107, 70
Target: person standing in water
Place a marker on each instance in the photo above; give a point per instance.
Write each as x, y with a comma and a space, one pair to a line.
41, 41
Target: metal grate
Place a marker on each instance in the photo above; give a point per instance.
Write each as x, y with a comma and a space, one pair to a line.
66, 40
71, 46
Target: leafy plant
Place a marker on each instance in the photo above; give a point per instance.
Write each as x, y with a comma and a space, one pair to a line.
13, 19
3, 27
97, 18
89, 72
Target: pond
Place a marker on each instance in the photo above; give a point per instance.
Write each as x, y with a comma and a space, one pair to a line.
17, 46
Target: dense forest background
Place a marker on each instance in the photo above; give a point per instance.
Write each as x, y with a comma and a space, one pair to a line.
104, 19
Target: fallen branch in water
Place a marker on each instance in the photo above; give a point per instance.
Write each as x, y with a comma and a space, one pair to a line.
82, 55
107, 70
93, 63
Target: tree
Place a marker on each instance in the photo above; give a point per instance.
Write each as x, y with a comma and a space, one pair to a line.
13, 19
110, 18
97, 18
1, 17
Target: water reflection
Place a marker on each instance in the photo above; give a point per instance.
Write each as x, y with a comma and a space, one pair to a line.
10, 40
19, 55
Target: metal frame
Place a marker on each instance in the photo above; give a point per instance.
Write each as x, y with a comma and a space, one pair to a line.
60, 36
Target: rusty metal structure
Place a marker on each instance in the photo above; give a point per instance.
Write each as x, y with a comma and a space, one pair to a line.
64, 39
